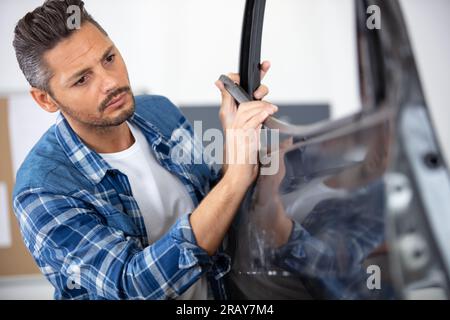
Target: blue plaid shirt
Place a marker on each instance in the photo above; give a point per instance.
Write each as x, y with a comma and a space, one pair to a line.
83, 227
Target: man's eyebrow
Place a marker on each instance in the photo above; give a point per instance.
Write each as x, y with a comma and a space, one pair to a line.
83, 71
78, 74
107, 52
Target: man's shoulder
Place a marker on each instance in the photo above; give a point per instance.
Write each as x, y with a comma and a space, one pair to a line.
46, 166
159, 111
147, 105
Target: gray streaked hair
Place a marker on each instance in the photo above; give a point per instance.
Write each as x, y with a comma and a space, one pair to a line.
41, 30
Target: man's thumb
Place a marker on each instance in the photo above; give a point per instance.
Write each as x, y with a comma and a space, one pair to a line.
226, 97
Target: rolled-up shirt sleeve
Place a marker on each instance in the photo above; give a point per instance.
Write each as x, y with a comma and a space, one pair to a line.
69, 237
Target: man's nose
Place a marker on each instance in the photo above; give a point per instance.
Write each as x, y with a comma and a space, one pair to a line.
109, 83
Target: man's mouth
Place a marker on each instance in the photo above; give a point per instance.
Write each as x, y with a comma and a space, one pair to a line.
117, 101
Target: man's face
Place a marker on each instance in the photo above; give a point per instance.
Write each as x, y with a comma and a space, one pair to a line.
90, 81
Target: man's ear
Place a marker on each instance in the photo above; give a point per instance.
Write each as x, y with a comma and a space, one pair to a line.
44, 100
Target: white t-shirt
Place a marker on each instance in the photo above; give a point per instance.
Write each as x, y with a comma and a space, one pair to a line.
161, 196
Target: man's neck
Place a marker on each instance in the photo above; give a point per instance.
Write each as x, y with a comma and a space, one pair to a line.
104, 139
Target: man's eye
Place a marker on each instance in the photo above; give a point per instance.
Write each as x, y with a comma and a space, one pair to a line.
110, 58
81, 81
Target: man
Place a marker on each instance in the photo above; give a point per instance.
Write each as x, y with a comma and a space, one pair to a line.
103, 208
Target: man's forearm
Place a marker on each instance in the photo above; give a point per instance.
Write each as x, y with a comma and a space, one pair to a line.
212, 218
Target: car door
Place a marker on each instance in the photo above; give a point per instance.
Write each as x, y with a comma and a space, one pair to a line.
358, 205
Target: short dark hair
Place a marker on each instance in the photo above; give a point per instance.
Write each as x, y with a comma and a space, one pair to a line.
41, 30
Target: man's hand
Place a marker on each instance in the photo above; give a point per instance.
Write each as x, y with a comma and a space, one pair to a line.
242, 129
228, 108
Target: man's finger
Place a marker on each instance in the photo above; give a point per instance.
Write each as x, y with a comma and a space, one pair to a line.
235, 77
256, 120
219, 84
261, 92
255, 104
227, 99
265, 66
246, 115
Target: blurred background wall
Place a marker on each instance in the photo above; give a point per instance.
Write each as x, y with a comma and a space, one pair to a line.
179, 48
